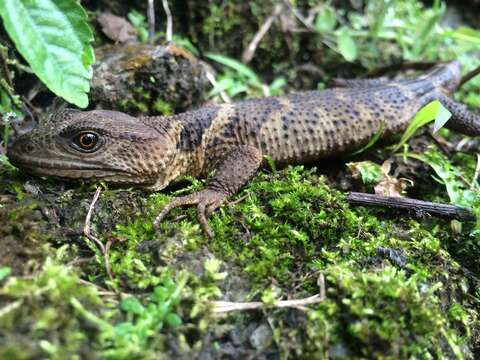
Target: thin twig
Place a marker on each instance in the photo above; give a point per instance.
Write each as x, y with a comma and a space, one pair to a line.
300, 304
79, 261
151, 21
213, 81
475, 176
299, 16
469, 76
228, 306
6, 71
87, 232
168, 13
86, 227
104, 291
461, 144
240, 199
249, 51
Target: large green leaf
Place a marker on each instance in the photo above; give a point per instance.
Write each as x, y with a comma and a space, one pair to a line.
54, 38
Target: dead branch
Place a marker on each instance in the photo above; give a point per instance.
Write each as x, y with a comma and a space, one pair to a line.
151, 21
249, 52
299, 16
168, 13
418, 206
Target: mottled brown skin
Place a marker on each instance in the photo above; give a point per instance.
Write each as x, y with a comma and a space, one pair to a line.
232, 139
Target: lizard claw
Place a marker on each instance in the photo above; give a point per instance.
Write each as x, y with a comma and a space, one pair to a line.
206, 200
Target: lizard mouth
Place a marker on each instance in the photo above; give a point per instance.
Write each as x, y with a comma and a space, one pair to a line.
65, 169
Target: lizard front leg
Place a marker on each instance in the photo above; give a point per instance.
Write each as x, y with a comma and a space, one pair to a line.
237, 168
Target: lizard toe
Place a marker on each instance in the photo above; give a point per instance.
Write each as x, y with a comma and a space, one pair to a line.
181, 201
206, 200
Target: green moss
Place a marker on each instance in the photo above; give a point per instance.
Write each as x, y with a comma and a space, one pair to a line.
377, 313
38, 319
273, 244
162, 107
143, 103
22, 232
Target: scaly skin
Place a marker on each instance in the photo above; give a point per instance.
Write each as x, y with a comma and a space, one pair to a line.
231, 139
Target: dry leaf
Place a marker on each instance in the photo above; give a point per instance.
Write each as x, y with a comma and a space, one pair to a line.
117, 28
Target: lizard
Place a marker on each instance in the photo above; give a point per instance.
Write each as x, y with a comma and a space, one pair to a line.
231, 140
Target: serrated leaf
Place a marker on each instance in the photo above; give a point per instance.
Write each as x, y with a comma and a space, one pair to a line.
54, 38
346, 45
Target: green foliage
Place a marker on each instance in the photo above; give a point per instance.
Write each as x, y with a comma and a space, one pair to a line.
372, 141
371, 307
4, 272
370, 172
432, 111
326, 19
289, 223
129, 338
41, 304
390, 28
54, 38
138, 22
346, 45
272, 245
458, 191
239, 79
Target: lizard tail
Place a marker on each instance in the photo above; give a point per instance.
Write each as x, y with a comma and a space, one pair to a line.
446, 75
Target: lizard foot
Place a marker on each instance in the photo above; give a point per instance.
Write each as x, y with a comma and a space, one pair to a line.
206, 200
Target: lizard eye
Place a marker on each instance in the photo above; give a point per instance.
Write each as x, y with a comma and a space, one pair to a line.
86, 141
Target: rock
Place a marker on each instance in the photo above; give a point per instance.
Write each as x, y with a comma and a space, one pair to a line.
261, 337
143, 79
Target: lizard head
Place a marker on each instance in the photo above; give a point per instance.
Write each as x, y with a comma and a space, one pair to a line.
97, 145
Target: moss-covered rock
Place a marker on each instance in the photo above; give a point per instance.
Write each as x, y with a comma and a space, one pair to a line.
141, 79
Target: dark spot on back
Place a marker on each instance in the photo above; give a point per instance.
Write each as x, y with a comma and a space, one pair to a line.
195, 123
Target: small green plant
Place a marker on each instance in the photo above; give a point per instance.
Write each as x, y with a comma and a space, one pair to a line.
239, 79
404, 29
145, 321
4, 272
138, 21
459, 192
129, 338
430, 112
369, 172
